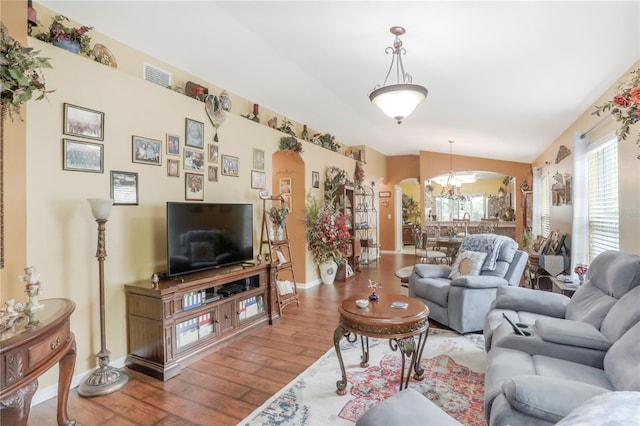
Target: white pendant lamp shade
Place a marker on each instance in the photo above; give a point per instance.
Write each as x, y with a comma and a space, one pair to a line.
398, 100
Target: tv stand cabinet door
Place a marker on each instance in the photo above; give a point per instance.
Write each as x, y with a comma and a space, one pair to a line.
225, 312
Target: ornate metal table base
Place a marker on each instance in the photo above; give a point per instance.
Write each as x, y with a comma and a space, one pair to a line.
406, 330
410, 349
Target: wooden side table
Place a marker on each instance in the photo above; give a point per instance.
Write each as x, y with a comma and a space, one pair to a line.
562, 287
37, 342
406, 330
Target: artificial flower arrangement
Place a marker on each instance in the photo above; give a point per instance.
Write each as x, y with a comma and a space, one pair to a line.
327, 233
21, 75
278, 215
290, 143
625, 105
335, 176
58, 32
451, 232
581, 270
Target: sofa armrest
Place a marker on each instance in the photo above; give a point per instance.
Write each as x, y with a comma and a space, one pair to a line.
572, 333
431, 271
479, 281
529, 300
548, 398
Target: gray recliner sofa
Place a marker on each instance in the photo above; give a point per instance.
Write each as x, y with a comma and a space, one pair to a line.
580, 329
462, 303
524, 389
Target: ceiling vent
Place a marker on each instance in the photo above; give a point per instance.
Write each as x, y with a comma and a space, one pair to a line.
157, 76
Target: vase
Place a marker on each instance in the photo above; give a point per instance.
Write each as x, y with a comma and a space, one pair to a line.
328, 271
581, 278
278, 233
70, 45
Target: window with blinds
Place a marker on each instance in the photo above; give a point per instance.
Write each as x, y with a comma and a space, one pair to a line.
603, 197
545, 206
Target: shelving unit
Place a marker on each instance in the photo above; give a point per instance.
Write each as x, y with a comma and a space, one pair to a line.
344, 196
277, 253
185, 317
366, 224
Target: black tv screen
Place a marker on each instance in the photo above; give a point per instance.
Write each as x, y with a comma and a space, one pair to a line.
203, 236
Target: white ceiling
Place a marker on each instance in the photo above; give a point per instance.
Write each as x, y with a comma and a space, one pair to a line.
505, 79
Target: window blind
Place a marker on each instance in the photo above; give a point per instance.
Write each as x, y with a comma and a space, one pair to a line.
603, 198
545, 206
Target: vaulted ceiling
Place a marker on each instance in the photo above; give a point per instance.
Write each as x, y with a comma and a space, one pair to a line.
505, 79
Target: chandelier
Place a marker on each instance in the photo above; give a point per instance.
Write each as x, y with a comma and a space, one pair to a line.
452, 182
400, 99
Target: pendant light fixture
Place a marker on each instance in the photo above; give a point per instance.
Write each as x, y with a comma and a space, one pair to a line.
400, 99
452, 182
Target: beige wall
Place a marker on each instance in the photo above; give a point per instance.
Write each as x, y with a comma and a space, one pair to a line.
61, 233
628, 168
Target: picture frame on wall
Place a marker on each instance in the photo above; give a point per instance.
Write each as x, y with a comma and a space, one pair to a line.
194, 133
213, 173
173, 144
193, 187
258, 159
258, 179
385, 194
285, 186
173, 167
315, 179
124, 188
83, 122
81, 156
230, 166
146, 151
193, 159
213, 153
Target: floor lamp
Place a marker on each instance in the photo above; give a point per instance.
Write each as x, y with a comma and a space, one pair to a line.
105, 379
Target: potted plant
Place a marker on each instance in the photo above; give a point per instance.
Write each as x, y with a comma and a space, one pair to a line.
327, 235
20, 75
290, 143
72, 39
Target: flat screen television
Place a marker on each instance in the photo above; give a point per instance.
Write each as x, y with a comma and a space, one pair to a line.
203, 236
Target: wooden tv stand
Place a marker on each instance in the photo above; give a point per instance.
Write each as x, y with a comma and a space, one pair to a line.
186, 316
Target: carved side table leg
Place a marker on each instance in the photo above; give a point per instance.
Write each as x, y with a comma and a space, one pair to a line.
407, 346
66, 365
14, 408
337, 335
422, 340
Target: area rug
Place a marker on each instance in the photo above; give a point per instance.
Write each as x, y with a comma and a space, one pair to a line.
454, 380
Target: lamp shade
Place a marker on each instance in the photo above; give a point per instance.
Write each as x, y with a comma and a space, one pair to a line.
398, 100
100, 207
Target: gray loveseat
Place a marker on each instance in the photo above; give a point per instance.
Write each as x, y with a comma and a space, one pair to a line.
576, 349
462, 303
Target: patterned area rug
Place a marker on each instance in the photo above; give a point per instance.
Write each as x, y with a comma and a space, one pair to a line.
454, 380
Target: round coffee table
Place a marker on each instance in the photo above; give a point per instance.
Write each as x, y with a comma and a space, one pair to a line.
406, 329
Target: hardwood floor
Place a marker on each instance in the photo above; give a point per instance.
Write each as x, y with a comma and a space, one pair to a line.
227, 385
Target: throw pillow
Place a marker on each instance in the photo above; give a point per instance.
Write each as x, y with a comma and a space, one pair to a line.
467, 263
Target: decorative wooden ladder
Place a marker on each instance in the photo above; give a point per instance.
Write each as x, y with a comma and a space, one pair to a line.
277, 252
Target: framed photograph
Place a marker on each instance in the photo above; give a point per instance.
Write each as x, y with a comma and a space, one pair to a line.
315, 179
193, 186
193, 159
258, 159
213, 173
147, 151
82, 156
194, 133
258, 179
385, 194
124, 188
213, 153
173, 167
281, 257
83, 122
230, 165
285, 186
173, 144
